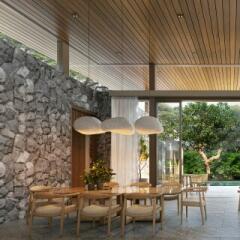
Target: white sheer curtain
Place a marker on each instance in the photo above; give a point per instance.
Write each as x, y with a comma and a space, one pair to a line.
124, 148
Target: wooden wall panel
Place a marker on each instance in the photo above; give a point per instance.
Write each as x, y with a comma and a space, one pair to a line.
79, 149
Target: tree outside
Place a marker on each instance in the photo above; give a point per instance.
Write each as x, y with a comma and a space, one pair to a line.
211, 137
206, 128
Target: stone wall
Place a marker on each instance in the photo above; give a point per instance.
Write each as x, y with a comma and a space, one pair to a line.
35, 129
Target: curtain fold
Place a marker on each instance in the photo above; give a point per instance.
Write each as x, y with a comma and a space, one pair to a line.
124, 149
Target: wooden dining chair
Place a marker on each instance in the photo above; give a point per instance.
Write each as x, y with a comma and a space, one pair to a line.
100, 207
44, 204
32, 190
194, 200
140, 212
171, 197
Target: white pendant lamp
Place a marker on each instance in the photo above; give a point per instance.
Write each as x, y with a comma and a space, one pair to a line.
118, 125
88, 125
148, 125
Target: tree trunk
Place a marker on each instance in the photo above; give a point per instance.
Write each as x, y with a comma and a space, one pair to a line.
208, 170
207, 161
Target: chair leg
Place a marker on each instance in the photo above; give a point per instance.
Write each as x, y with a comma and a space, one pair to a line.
123, 222
205, 210
154, 225
78, 223
61, 225
30, 222
186, 212
201, 210
161, 220
178, 205
109, 224
239, 204
181, 213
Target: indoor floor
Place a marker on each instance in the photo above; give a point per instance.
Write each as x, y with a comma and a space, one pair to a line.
223, 223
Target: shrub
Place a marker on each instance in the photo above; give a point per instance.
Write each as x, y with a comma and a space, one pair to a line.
193, 163
226, 168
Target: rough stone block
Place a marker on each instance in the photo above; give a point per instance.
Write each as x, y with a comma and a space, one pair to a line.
23, 72
19, 141
2, 203
24, 157
2, 169
2, 75
7, 133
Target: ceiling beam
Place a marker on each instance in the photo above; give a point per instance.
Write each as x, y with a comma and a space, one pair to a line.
178, 94
168, 65
63, 57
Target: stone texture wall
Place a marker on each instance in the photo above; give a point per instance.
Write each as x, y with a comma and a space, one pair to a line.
35, 129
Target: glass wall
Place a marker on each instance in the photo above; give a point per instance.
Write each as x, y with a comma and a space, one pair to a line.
169, 142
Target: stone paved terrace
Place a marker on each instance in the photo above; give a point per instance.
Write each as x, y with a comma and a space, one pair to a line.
223, 223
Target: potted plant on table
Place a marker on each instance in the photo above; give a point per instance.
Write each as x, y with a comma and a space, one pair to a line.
97, 175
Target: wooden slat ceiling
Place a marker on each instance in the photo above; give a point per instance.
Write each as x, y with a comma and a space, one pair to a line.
195, 43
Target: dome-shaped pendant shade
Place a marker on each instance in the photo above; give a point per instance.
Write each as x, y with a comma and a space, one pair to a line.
118, 125
88, 125
148, 125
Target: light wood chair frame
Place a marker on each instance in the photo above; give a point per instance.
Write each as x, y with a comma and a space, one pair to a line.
136, 197
171, 197
50, 199
201, 203
100, 199
32, 190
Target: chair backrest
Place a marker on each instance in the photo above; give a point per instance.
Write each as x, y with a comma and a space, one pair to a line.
171, 178
40, 188
95, 198
93, 195
171, 184
111, 184
47, 195
139, 196
140, 184
199, 178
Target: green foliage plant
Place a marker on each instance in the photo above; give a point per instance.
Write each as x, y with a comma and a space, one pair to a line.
143, 155
98, 173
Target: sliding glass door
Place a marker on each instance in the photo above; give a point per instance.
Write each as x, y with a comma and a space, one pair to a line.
169, 149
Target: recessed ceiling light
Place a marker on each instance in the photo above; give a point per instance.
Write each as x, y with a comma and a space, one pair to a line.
180, 15
75, 16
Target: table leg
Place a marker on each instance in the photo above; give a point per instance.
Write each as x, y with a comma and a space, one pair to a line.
162, 206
